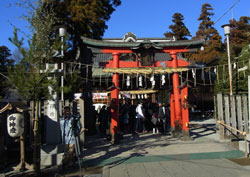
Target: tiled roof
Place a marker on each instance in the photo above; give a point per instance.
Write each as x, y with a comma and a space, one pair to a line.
155, 43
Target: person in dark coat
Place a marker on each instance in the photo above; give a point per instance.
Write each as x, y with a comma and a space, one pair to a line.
103, 119
162, 115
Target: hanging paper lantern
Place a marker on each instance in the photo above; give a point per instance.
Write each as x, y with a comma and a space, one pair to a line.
139, 97
193, 73
15, 125
234, 65
146, 96
163, 79
140, 81
142, 96
152, 80
128, 81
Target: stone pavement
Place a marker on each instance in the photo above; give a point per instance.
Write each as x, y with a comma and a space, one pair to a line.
178, 168
161, 155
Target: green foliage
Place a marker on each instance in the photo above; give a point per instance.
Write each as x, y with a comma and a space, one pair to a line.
80, 18
240, 57
31, 84
26, 76
213, 48
242, 70
205, 28
84, 17
239, 35
178, 29
240, 73
5, 60
72, 84
5, 63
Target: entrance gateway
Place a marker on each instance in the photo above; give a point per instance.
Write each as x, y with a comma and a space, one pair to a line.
145, 63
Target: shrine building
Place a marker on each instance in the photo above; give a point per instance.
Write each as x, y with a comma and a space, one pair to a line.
139, 69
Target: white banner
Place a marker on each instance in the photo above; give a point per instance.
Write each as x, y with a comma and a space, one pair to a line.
100, 95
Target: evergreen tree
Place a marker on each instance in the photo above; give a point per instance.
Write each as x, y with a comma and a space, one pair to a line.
178, 29
28, 77
239, 35
240, 72
5, 60
5, 63
81, 18
240, 53
84, 17
213, 47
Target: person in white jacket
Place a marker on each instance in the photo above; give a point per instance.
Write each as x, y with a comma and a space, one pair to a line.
139, 117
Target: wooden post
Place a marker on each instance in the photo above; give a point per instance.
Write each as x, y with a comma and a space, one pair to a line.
215, 109
23, 164
220, 114
249, 101
82, 135
239, 112
233, 113
22, 152
245, 113
37, 147
227, 113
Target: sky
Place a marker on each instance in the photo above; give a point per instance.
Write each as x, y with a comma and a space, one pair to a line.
145, 18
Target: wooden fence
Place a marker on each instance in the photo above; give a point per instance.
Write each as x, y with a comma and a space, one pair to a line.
232, 114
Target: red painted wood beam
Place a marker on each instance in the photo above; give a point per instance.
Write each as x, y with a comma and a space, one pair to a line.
114, 126
124, 50
176, 91
175, 50
116, 51
172, 112
185, 110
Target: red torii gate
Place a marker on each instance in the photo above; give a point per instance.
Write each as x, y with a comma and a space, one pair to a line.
179, 113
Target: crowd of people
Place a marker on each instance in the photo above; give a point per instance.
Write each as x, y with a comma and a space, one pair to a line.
133, 118
136, 118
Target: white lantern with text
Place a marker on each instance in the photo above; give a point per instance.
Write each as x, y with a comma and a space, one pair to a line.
15, 125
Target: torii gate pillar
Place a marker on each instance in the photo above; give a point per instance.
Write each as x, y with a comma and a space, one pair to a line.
114, 126
176, 118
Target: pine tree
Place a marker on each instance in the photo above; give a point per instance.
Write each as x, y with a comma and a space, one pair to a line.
242, 70
84, 17
81, 18
239, 35
239, 50
5, 60
5, 63
26, 76
178, 29
213, 47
